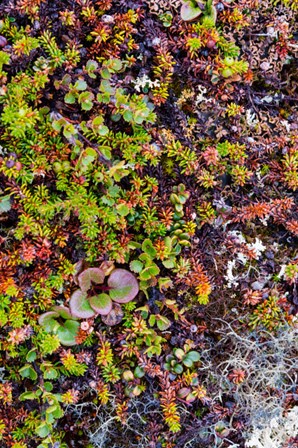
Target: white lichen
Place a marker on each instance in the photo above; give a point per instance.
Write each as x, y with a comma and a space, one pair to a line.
200, 98
230, 277
258, 247
144, 82
251, 119
276, 434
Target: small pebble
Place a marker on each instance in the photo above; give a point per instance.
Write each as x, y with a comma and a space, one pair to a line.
18, 166
257, 286
10, 163
220, 7
3, 41
210, 44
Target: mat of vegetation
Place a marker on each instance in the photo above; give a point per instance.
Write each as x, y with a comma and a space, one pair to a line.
148, 224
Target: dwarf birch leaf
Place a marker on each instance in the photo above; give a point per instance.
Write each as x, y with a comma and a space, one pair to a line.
95, 275
79, 305
43, 430
102, 304
124, 286
5, 204
136, 266
163, 323
148, 248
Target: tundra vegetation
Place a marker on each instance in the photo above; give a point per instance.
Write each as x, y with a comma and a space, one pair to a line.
148, 223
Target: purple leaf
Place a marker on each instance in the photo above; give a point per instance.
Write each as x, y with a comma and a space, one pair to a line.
124, 286
95, 275
114, 317
79, 305
189, 12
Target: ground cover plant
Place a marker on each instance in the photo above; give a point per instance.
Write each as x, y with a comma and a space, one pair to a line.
148, 223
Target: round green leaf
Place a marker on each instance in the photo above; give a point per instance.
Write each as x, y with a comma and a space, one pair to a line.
80, 85
139, 372
179, 353
63, 311
122, 209
47, 320
163, 323
102, 304
68, 332
70, 98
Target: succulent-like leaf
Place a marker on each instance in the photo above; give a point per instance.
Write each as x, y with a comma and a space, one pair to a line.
79, 305
114, 317
101, 303
67, 332
178, 368
179, 353
187, 362
194, 356
124, 286
48, 321
95, 275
